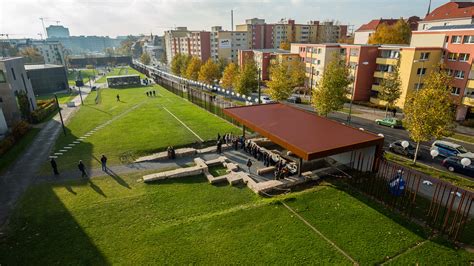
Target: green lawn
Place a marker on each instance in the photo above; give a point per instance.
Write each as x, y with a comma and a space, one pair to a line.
12, 154
147, 129
63, 97
463, 137
188, 221
85, 73
119, 71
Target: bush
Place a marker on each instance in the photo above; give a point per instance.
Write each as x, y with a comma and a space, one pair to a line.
468, 123
45, 109
18, 131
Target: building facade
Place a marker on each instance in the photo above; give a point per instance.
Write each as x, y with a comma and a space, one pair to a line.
225, 45
364, 32
183, 41
449, 14
53, 52
47, 78
14, 80
264, 58
57, 31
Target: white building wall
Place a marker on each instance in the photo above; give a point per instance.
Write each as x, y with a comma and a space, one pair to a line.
362, 37
351, 158
3, 123
426, 25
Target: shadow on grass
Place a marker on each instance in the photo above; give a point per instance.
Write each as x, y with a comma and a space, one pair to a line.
40, 217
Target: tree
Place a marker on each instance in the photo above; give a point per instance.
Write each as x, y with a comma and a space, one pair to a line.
330, 93
179, 63
24, 104
32, 55
109, 51
209, 72
145, 58
230, 75
280, 84
428, 111
192, 69
285, 45
398, 33
390, 88
184, 64
246, 81
297, 73
126, 46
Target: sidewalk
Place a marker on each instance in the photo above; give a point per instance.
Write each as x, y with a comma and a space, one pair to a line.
20, 175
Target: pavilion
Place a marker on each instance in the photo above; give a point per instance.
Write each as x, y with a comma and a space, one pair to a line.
309, 136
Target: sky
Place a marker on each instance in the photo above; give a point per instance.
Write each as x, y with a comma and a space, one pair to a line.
20, 18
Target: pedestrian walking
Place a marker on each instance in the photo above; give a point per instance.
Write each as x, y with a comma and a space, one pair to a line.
249, 164
154, 93
394, 112
218, 136
118, 98
103, 160
147, 94
219, 146
54, 165
82, 168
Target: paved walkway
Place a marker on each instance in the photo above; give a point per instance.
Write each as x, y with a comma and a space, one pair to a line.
22, 173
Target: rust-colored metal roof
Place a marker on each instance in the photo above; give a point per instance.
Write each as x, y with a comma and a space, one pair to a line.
307, 135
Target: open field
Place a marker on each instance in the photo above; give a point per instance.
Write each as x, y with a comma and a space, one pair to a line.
119, 71
117, 220
142, 125
63, 97
85, 73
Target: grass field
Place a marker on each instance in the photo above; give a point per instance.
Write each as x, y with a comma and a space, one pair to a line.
149, 128
188, 221
62, 97
85, 73
119, 71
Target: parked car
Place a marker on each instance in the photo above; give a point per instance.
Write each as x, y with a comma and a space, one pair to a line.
294, 99
453, 164
448, 149
389, 122
396, 147
265, 99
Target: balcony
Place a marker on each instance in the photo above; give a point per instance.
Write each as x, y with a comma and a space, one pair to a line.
354, 59
380, 74
470, 84
376, 87
468, 101
386, 61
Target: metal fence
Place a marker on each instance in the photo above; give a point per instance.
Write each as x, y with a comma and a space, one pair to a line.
442, 206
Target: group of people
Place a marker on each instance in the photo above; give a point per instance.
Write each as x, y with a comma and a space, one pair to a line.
151, 93
229, 138
80, 166
171, 153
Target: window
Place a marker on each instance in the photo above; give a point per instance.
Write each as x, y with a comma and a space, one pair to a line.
468, 39
452, 57
319, 50
459, 74
318, 62
456, 39
463, 57
424, 56
421, 71
455, 90
2, 77
13, 73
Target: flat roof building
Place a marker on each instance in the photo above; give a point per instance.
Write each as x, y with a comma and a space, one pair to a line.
47, 78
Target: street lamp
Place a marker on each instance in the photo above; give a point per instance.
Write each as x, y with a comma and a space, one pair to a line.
422, 61
258, 84
349, 117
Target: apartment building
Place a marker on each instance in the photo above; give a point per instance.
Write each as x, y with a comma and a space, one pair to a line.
360, 58
225, 45
263, 58
53, 52
449, 14
183, 41
269, 36
13, 79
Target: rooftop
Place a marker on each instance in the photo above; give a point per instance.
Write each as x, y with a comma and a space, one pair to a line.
452, 10
307, 135
42, 66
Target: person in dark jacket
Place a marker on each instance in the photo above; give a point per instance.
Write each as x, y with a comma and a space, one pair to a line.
103, 161
82, 168
54, 165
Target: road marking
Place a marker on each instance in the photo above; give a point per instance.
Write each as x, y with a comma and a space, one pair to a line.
183, 124
321, 234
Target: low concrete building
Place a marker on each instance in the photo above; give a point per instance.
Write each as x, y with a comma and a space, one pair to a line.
14, 80
47, 78
123, 81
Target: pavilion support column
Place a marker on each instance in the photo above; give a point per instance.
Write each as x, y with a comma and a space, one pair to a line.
300, 164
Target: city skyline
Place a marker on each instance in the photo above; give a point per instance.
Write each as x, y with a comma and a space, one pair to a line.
113, 18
